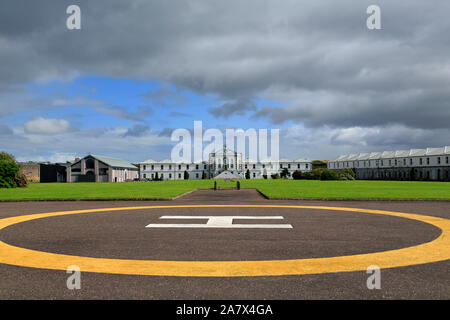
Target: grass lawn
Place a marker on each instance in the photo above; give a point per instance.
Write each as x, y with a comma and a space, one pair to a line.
359, 189
277, 189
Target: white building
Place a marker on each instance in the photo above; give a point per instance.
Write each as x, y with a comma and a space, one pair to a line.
218, 162
414, 164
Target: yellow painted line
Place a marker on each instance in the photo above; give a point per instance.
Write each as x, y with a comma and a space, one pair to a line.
433, 251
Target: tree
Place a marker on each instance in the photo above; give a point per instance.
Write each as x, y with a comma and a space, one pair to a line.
285, 173
10, 176
297, 175
7, 157
8, 172
247, 174
319, 164
203, 175
186, 175
156, 176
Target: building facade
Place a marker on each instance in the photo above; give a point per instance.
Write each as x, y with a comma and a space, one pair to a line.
218, 162
101, 169
414, 164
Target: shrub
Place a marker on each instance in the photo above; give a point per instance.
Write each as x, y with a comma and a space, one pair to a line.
297, 175
8, 172
275, 176
21, 180
326, 174
285, 173
247, 174
186, 175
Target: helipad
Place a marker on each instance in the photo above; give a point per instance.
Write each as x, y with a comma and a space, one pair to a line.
433, 251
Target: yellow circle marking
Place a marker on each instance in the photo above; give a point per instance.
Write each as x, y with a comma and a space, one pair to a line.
433, 251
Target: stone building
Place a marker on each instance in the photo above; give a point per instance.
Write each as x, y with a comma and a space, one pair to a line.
94, 168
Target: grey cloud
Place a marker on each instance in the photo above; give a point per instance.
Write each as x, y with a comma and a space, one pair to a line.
5, 130
123, 113
239, 107
179, 114
166, 132
317, 59
137, 131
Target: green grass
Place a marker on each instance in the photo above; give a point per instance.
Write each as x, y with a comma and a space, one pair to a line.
277, 189
359, 189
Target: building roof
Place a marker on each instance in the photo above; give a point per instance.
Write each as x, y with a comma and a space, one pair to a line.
112, 162
395, 154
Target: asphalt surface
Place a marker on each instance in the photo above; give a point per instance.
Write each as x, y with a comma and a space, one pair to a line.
315, 234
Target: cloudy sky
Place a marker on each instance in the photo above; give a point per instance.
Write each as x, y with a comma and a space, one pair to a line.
138, 69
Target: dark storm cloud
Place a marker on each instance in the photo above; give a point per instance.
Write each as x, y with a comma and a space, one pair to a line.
317, 58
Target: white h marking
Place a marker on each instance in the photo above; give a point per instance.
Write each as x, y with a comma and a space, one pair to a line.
222, 222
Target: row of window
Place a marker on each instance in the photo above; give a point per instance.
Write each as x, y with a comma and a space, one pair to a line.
152, 167
153, 175
396, 162
197, 167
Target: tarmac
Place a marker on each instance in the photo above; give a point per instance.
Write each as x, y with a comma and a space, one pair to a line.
315, 234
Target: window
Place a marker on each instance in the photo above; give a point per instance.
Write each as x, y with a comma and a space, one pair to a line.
170, 167
246, 167
179, 176
307, 165
439, 160
170, 175
390, 163
395, 161
90, 163
196, 167
153, 167
428, 160
421, 161
254, 166
162, 175
281, 166
204, 167
254, 175
145, 167
404, 162
264, 166
187, 167
196, 175
162, 167
298, 166
410, 161
145, 176
179, 167
446, 160
289, 165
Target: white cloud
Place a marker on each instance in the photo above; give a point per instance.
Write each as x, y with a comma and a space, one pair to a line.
46, 126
